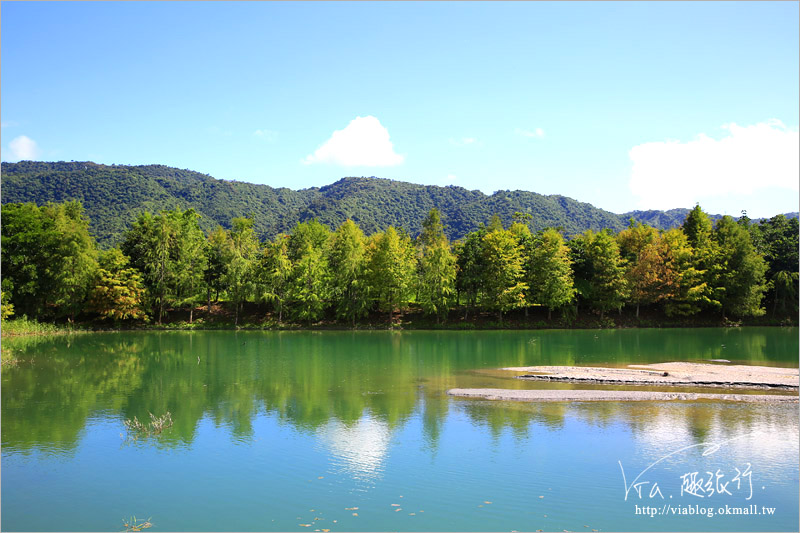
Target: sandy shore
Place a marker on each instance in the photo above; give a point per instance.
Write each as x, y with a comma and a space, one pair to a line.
610, 395
670, 374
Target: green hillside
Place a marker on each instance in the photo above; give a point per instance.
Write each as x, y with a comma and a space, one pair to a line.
113, 196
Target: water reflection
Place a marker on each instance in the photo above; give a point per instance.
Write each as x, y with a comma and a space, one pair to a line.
358, 448
322, 384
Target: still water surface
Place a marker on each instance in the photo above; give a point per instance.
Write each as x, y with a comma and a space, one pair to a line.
291, 431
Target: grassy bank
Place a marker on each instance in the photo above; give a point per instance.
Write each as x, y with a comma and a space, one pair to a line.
28, 326
254, 317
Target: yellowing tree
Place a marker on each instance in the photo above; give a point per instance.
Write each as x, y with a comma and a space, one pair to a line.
118, 292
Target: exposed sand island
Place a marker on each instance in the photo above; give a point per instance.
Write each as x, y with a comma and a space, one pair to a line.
661, 374
550, 395
670, 374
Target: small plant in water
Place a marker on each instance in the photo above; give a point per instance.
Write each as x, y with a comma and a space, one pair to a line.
157, 424
133, 524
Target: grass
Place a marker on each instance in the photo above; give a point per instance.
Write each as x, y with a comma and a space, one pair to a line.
28, 326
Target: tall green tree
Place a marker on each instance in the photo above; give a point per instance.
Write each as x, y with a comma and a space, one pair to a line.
219, 254
698, 227
76, 249
305, 235
150, 244
705, 258
190, 259
274, 274
504, 285
48, 258
308, 290
601, 269
741, 271
684, 289
550, 278
437, 268
471, 269
391, 266
776, 240
240, 277
310, 279
347, 259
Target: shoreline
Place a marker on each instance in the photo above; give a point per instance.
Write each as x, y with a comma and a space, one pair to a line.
189, 327
256, 317
612, 396
88, 327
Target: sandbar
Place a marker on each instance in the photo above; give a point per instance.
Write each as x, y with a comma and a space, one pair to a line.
670, 374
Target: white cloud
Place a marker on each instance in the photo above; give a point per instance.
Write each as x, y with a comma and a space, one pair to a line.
23, 148
267, 135
451, 177
364, 142
464, 141
538, 133
672, 174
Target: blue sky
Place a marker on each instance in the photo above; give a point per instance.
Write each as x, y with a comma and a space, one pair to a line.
627, 105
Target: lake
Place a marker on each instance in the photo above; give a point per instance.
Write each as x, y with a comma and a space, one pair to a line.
353, 431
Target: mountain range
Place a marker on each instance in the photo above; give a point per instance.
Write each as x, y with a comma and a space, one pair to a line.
113, 195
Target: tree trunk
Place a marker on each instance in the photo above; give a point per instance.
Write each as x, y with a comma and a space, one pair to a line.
637, 309
602, 314
191, 312
236, 319
208, 301
549, 314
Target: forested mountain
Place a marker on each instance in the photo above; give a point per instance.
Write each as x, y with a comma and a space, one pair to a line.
114, 195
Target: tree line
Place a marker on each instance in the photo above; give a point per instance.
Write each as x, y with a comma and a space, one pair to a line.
52, 268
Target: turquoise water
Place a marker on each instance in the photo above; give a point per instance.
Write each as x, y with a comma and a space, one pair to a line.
290, 431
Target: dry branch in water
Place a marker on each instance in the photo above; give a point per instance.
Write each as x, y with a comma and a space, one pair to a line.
136, 525
157, 424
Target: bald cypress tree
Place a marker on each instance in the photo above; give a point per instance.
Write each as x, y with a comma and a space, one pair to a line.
392, 266
347, 259
550, 276
504, 284
437, 268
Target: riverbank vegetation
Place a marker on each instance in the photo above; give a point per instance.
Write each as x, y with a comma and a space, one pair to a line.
167, 268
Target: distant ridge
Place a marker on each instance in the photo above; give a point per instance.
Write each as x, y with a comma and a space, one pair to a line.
114, 194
